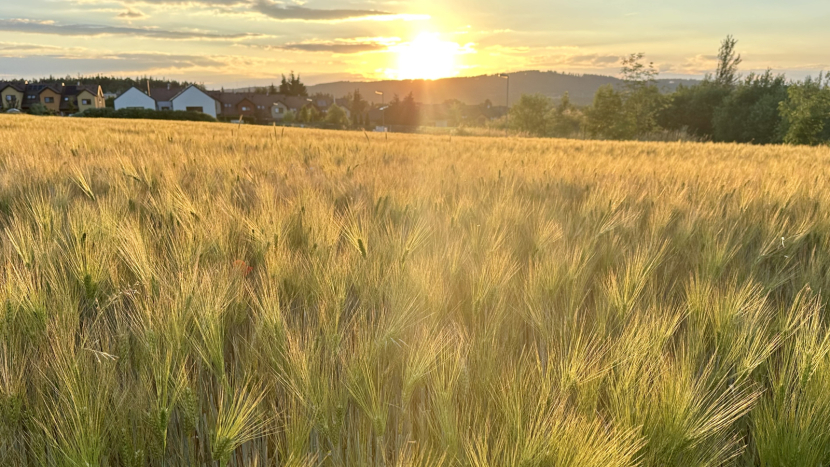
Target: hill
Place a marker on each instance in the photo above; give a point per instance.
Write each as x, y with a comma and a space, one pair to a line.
474, 90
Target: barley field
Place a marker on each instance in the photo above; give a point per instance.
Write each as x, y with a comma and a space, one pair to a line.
190, 294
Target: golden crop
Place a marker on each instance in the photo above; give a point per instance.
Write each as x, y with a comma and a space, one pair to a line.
187, 294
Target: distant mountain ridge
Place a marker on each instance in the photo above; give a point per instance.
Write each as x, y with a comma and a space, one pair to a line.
477, 89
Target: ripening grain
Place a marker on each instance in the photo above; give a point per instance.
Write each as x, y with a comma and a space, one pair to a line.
205, 294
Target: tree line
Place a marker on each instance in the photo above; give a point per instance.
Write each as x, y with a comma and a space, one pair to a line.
760, 108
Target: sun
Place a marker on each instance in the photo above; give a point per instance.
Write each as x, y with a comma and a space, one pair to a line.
426, 57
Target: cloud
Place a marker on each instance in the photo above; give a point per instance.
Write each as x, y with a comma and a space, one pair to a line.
132, 14
19, 47
284, 12
339, 46
89, 30
189, 2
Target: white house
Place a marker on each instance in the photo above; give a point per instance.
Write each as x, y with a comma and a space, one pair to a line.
133, 98
194, 99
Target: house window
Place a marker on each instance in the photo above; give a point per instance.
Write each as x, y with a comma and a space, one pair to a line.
227, 105
66, 99
9, 98
195, 109
86, 102
49, 100
244, 109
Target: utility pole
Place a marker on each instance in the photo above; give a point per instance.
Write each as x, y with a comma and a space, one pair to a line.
507, 101
382, 110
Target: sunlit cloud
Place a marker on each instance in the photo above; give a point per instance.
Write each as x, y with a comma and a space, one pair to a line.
339, 46
281, 11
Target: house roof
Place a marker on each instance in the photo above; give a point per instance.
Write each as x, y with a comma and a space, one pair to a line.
257, 99
16, 86
165, 94
75, 90
295, 102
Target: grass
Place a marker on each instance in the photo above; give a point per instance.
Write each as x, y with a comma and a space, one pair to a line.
175, 294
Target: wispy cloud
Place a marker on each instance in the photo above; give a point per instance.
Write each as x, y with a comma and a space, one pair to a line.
132, 14
50, 27
279, 10
339, 46
283, 12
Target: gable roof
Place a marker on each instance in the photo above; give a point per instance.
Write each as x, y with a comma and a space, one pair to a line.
164, 94
257, 99
131, 88
75, 90
16, 86
192, 86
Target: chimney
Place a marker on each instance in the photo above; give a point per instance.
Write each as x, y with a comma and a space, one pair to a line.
168, 86
79, 83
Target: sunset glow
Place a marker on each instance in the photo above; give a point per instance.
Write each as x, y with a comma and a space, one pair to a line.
426, 57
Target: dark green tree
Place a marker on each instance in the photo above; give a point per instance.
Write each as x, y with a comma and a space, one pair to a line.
292, 86
606, 117
806, 112
750, 113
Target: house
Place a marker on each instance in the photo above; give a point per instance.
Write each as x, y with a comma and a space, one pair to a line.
48, 95
81, 97
164, 97
262, 108
190, 99
134, 98
63, 100
193, 99
12, 95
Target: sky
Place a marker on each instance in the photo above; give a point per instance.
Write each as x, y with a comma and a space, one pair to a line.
236, 43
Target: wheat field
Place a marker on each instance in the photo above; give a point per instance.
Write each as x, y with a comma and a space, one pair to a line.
214, 295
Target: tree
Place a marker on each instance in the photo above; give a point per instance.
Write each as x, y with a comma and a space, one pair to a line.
289, 117
692, 108
358, 106
564, 120
728, 61
410, 116
403, 112
309, 114
806, 112
530, 114
292, 86
636, 74
39, 109
455, 113
337, 116
272, 89
642, 100
606, 117
750, 114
